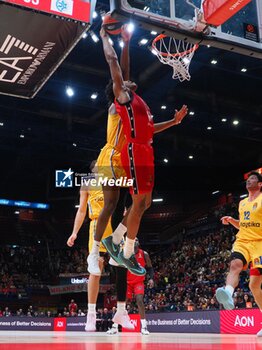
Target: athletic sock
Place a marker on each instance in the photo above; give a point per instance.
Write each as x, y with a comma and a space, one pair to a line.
143, 323
119, 233
129, 247
230, 289
91, 308
95, 248
121, 306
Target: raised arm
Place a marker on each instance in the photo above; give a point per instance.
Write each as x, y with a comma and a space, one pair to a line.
80, 217
115, 70
124, 59
177, 119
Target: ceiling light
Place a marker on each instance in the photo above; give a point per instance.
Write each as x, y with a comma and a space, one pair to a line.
143, 41
95, 14
16, 212
69, 91
130, 27
191, 113
243, 196
84, 35
94, 37
146, 8
215, 192
94, 95
1, 124
121, 43
22, 136
74, 144
223, 120
190, 157
163, 107
244, 70
214, 61
209, 128
153, 32
235, 122
77, 206
158, 200
208, 46
165, 160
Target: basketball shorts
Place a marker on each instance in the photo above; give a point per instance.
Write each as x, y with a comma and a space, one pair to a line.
92, 230
135, 289
251, 250
109, 163
138, 162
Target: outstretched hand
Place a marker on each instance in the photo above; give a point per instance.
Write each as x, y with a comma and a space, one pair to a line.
226, 220
125, 34
180, 115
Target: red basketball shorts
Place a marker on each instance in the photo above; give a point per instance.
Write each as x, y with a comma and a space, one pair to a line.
135, 289
138, 162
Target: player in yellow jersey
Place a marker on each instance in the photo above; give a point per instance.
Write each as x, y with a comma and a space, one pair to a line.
91, 198
248, 245
109, 165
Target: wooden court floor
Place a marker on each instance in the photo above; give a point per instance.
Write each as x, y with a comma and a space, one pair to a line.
21, 340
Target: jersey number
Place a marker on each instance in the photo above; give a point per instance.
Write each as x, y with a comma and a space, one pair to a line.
246, 215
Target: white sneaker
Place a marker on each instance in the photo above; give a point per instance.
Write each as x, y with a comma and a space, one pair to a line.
224, 297
122, 318
259, 334
90, 322
113, 330
93, 265
144, 331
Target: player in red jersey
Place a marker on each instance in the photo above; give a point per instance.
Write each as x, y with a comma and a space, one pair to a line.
136, 287
137, 154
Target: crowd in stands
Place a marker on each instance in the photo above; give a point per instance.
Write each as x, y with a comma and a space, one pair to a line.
185, 279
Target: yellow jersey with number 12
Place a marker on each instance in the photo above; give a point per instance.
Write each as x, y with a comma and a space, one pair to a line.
250, 219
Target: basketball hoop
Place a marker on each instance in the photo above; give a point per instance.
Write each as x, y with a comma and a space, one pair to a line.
176, 53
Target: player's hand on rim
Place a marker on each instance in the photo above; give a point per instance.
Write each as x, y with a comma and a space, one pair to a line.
103, 32
180, 115
125, 34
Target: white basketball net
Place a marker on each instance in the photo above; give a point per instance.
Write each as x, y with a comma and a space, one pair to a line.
176, 53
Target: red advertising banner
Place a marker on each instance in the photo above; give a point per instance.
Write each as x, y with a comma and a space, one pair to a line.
79, 10
217, 12
135, 320
60, 324
244, 321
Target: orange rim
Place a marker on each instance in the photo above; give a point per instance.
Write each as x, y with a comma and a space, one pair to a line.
162, 36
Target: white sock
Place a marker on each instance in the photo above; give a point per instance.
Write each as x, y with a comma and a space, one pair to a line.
115, 325
230, 289
121, 306
91, 308
129, 247
95, 248
119, 233
143, 323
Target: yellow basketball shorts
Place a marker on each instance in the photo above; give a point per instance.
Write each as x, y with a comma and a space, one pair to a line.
92, 230
109, 163
251, 250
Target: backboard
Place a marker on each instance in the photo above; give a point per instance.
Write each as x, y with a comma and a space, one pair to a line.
242, 33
